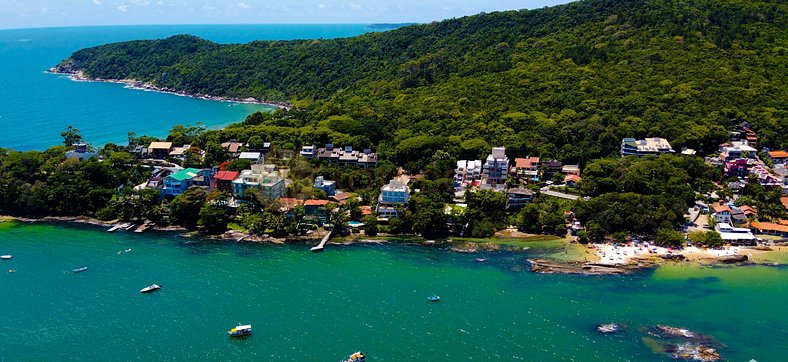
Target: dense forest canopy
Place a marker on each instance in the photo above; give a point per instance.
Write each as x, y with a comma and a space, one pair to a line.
566, 82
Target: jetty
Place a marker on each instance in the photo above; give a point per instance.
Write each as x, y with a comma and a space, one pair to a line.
144, 227
116, 227
322, 244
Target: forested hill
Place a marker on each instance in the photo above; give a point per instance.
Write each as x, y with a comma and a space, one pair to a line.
565, 82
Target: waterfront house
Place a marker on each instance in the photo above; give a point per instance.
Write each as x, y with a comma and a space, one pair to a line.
778, 157
648, 146
328, 186
770, 228
517, 198
223, 180
526, 169
261, 177
156, 181
737, 216
395, 193
288, 205
734, 235
722, 213
308, 151
256, 158
81, 152
159, 150
178, 182
496, 168
317, 209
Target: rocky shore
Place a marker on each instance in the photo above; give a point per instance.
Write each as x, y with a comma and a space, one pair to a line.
587, 268
80, 76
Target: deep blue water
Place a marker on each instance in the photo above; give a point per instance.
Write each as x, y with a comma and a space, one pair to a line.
35, 106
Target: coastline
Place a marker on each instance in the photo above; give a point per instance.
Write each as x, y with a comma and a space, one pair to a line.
559, 262
79, 76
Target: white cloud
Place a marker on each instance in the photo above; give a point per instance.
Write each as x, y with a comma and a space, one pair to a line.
321, 6
123, 8
354, 6
243, 5
97, 2
208, 8
140, 2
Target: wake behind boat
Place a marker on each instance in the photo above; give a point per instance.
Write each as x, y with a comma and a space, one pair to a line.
150, 288
79, 270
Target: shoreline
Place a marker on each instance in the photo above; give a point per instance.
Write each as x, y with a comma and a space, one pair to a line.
537, 264
79, 76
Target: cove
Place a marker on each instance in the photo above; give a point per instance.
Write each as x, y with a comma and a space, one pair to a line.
369, 297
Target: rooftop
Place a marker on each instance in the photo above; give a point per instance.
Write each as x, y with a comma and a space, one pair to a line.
769, 226
315, 202
160, 145
185, 174
778, 154
226, 175
527, 162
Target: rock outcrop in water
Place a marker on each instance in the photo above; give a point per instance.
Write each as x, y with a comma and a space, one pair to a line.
575, 267
681, 343
731, 259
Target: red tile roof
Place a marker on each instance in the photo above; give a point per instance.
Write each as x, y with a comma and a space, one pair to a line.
778, 154
315, 202
748, 210
769, 226
784, 201
720, 208
365, 210
572, 178
226, 175
525, 162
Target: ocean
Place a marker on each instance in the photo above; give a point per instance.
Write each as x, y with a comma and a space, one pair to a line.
306, 306
35, 106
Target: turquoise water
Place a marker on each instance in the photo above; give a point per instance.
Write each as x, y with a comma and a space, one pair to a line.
322, 306
35, 106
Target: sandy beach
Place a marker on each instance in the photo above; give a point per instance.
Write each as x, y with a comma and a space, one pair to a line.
627, 254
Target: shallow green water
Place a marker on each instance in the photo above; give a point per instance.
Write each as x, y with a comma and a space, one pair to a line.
321, 307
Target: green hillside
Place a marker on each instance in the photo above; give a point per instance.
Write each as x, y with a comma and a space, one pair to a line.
566, 82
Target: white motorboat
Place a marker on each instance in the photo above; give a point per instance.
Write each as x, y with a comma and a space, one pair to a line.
150, 288
6, 257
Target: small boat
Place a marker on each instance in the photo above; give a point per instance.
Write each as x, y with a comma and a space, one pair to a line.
79, 270
481, 260
6, 257
434, 298
127, 250
240, 331
355, 357
150, 288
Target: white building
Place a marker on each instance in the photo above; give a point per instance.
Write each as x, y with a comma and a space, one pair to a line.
467, 171
731, 234
391, 195
255, 157
262, 177
648, 146
496, 167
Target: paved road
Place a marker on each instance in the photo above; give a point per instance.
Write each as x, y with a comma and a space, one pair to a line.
547, 191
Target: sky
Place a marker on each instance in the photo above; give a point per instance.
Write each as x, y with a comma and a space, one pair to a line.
50, 13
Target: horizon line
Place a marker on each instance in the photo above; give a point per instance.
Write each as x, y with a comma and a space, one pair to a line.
207, 24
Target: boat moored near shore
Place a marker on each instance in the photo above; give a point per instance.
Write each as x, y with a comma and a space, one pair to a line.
355, 357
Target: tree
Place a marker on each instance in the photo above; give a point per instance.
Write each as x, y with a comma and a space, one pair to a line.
71, 136
213, 218
370, 225
185, 208
669, 237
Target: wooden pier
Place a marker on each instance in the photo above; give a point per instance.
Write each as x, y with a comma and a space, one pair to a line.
322, 244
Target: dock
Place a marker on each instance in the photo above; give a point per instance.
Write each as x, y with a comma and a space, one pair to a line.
144, 227
116, 227
322, 244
